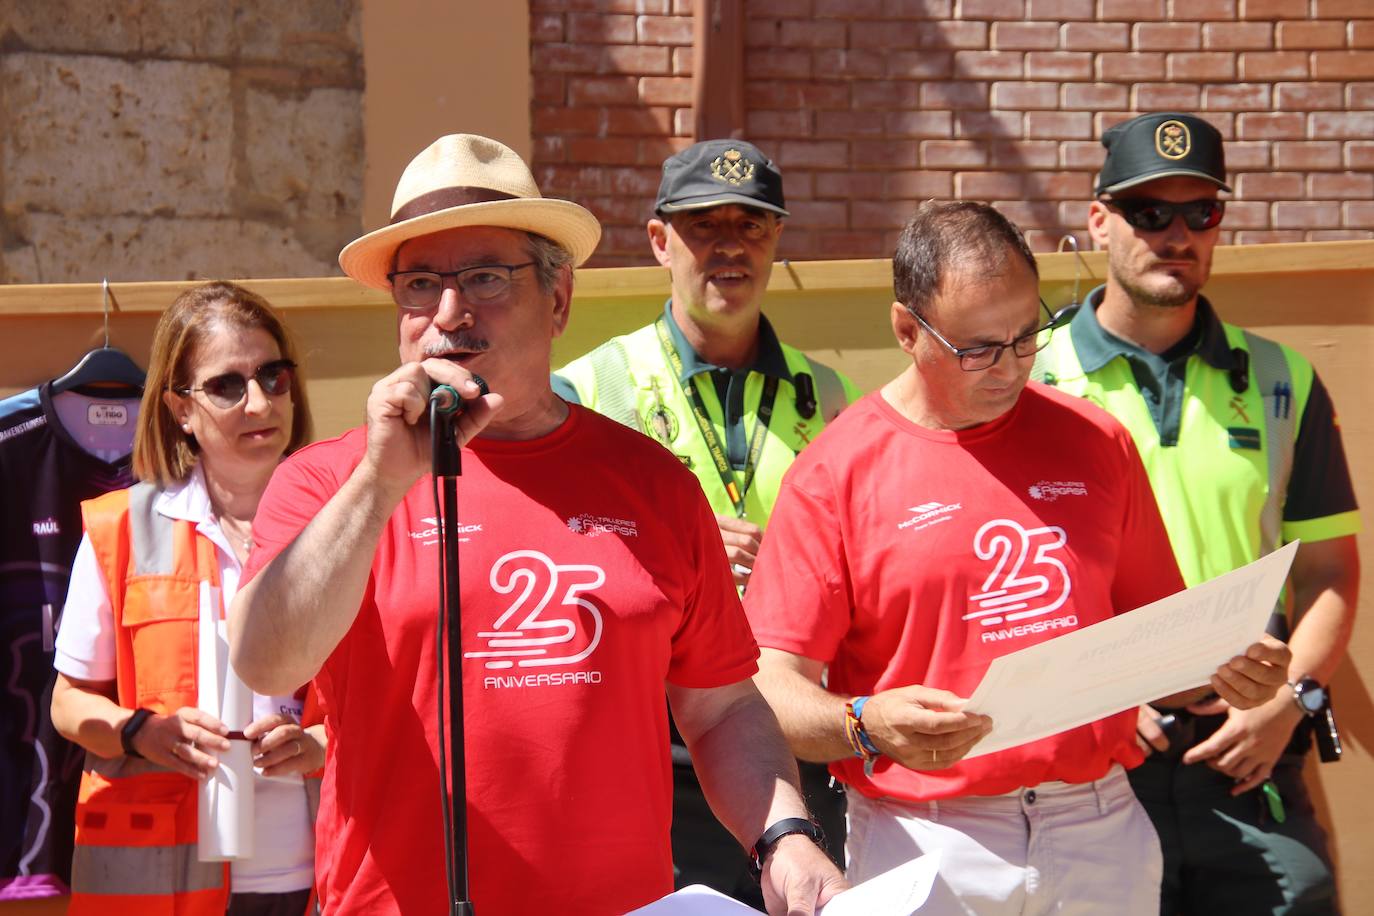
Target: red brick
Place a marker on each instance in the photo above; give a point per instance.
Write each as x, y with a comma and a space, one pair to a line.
1273, 65
990, 9
918, 64
1167, 36
1271, 126
990, 64
1359, 154
918, 9
1025, 154
1359, 213
852, 244
664, 30
987, 185
900, 35
763, 33
816, 213
565, 58
885, 154
797, 34
953, 35
866, 214
1081, 154
847, 185
1026, 214
1246, 214
1340, 9
1130, 66
1202, 66
684, 7
574, 180
1307, 155
1306, 214
560, 119
684, 122
546, 27
1202, 9
639, 121
1094, 96
919, 185
1057, 185
1095, 36
1342, 186
997, 124
848, 9
619, 210
1361, 34
1336, 235
884, 94
1025, 36
614, 151
951, 94
842, 63
1022, 96
1359, 95
682, 61
793, 123
1060, 10
600, 28
798, 9
548, 87
1236, 97
916, 123
1345, 125
816, 153
779, 94
1342, 65
665, 90
848, 124
647, 60
1165, 96
1238, 36
653, 150
1273, 9
780, 63
1132, 10
636, 182
1059, 125
953, 154
1310, 35
604, 90
1307, 96
1268, 185
1268, 237
549, 149
1059, 65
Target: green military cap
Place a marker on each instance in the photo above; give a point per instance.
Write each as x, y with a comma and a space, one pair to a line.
713, 173
1161, 145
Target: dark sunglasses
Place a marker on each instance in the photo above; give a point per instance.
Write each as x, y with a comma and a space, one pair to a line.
229, 389
1151, 215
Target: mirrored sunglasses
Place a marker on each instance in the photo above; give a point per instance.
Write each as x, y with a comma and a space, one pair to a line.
229, 389
1151, 215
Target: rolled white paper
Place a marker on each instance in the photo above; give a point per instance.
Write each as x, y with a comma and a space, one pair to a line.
226, 798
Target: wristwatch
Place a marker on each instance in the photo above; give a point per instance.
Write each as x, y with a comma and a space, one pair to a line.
131, 727
785, 827
1309, 695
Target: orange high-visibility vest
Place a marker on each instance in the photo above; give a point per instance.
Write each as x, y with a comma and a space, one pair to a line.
136, 827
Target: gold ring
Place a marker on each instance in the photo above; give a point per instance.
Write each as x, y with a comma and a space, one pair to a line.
934, 756
297, 743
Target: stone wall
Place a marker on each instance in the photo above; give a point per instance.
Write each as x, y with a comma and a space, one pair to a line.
871, 106
178, 139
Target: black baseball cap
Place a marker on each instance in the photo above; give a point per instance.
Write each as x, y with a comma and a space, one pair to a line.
1161, 145
714, 173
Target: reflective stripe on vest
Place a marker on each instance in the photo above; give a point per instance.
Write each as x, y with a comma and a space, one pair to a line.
614, 398
101, 871
829, 390
1275, 382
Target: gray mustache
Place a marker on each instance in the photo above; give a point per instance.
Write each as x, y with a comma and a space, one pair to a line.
456, 341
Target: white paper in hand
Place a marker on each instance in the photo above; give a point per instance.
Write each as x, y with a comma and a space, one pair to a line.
225, 822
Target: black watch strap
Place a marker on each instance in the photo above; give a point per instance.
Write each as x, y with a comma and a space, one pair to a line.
126, 734
776, 831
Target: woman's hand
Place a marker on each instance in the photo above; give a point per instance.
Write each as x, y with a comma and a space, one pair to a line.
185, 741
281, 747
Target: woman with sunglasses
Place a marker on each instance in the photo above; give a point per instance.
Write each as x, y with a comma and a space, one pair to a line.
222, 405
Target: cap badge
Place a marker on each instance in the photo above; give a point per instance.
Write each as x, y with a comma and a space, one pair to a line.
1173, 140
732, 168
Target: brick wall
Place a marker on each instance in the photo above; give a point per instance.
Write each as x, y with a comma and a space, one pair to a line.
871, 106
161, 140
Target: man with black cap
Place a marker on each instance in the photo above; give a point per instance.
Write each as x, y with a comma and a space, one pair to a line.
710, 380
586, 595
1243, 450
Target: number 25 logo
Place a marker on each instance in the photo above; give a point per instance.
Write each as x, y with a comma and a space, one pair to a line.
1026, 580
530, 635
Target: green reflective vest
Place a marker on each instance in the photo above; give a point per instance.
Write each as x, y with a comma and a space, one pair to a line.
629, 380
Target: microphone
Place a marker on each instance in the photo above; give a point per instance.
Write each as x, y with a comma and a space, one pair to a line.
445, 398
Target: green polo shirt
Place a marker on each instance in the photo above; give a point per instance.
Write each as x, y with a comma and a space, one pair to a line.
1197, 415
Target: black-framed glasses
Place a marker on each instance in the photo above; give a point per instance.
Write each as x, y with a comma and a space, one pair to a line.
1150, 215
229, 389
976, 359
421, 289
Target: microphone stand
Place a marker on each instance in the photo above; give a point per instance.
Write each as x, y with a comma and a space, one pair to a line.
445, 406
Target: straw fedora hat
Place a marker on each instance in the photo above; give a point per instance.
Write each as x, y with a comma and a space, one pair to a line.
466, 180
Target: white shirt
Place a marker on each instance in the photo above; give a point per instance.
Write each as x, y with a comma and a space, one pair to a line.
85, 649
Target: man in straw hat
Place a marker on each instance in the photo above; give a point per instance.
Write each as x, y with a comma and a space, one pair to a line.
585, 594
1244, 452
710, 379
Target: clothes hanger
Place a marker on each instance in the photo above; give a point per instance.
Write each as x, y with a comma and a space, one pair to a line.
108, 368
1079, 266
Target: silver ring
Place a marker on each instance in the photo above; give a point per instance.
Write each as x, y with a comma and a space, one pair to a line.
297, 743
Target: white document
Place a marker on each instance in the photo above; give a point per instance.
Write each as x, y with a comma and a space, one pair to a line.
900, 891
226, 799
1174, 644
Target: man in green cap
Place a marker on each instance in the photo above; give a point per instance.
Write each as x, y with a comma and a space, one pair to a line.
710, 380
1243, 449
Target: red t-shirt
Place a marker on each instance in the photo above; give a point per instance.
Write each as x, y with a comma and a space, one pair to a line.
902, 555
585, 587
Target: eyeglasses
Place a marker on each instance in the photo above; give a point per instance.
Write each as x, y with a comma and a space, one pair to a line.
421, 289
1151, 215
229, 389
975, 359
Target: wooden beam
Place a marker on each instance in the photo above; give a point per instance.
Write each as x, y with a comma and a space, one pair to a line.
718, 69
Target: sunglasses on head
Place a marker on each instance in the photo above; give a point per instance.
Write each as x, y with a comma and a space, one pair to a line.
229, 389
1151, 215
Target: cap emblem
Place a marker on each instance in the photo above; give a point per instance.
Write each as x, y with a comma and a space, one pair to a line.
1173, 140
732, 168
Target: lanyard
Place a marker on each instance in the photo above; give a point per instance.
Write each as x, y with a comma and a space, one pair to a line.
733, 489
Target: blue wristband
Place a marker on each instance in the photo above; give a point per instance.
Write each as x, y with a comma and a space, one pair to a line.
866, 741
